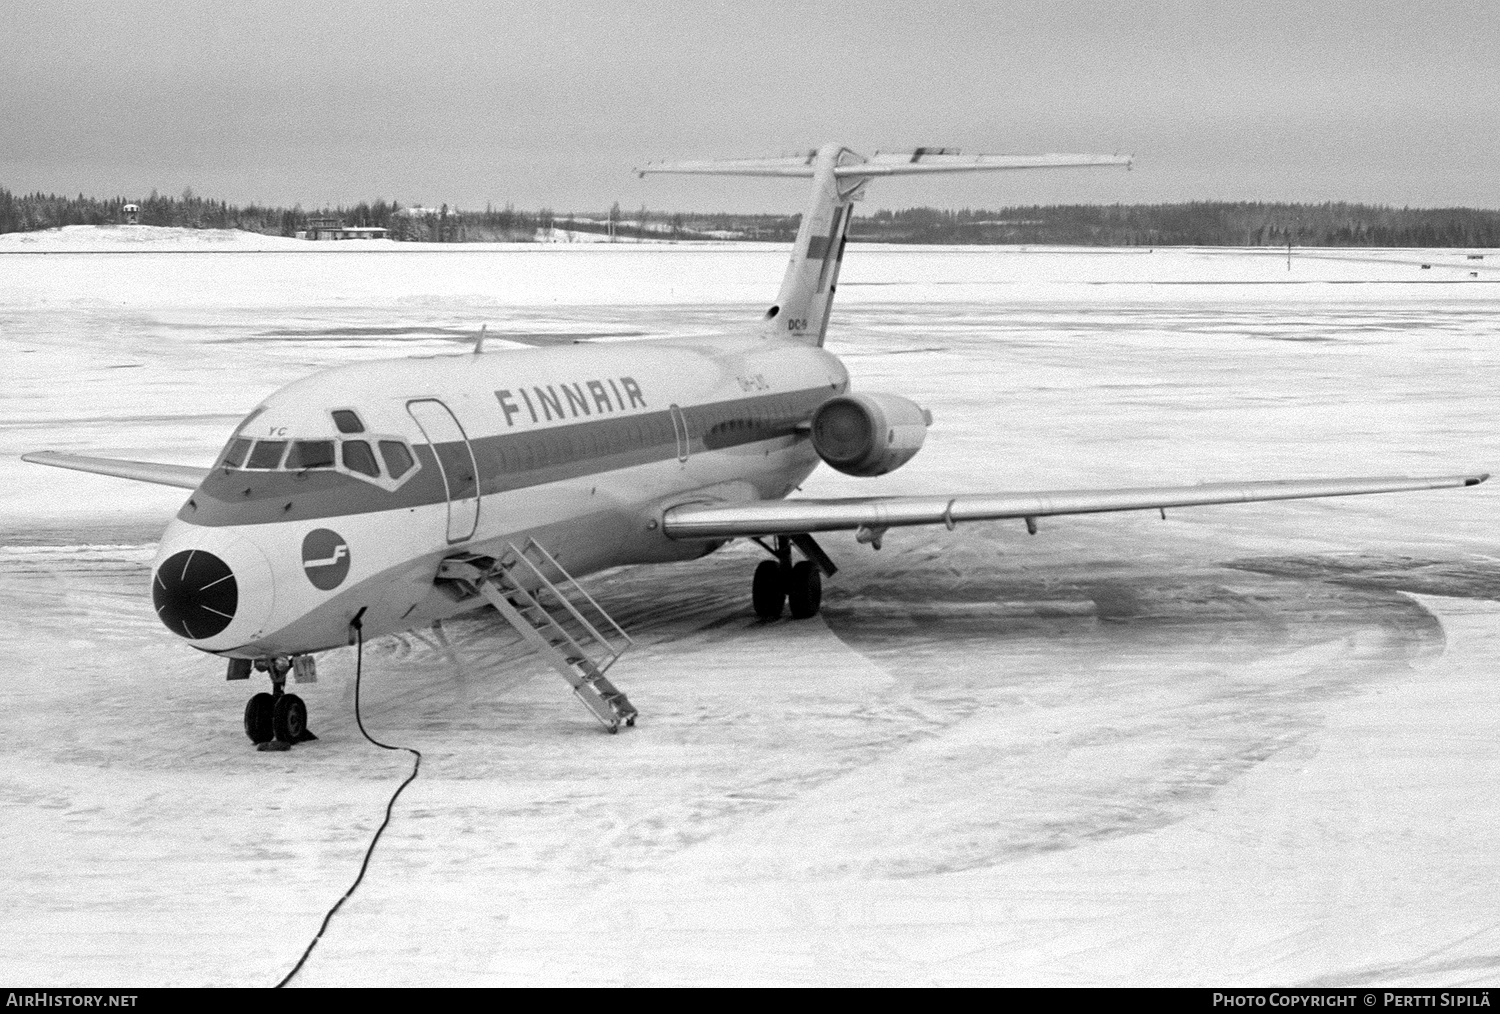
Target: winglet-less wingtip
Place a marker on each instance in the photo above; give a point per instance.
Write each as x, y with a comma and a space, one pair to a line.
181, 476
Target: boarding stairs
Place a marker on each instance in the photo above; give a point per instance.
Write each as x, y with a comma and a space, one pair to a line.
558, 618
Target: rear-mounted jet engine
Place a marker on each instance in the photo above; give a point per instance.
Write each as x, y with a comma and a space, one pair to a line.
869, 434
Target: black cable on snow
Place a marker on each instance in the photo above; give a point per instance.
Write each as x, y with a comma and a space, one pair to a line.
359, 657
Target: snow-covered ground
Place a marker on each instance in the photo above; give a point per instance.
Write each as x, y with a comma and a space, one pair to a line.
1245, 745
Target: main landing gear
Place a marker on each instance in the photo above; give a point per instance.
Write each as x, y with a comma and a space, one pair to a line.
276, 720
782, 583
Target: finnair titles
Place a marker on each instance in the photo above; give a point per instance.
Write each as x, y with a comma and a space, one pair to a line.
550, 403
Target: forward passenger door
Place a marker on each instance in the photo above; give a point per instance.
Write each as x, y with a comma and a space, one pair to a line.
455, 460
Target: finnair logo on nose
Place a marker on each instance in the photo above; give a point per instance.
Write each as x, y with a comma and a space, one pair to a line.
339, 552
325, 558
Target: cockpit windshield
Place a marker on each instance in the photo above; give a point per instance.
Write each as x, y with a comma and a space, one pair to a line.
310, 454
351, 455
235, 456
267, 454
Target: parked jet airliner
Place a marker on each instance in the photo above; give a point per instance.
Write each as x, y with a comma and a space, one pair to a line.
386, 496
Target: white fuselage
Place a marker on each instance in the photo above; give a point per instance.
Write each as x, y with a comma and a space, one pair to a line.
581, 447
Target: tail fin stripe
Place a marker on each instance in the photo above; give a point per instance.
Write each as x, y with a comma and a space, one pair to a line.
835, 233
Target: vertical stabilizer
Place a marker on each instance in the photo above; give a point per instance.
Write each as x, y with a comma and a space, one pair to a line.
806, 297
839, 177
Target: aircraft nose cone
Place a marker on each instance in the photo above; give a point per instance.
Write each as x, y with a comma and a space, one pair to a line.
195, 594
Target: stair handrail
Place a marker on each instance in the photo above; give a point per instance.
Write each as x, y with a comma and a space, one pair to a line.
588, 628
569, 579
568, 604
517, 588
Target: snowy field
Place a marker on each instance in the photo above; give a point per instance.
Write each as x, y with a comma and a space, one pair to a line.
1241, 745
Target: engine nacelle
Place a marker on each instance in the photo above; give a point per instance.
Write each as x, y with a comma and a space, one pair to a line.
869, 434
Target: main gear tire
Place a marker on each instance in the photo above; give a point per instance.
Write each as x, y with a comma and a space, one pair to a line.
768, 591
804, 590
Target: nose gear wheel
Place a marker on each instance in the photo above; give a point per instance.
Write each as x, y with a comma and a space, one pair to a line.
258, 718
276, 720
289, 718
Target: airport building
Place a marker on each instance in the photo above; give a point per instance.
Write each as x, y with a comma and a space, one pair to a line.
332, 228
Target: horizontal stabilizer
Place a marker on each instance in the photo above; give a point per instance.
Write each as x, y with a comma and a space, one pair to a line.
787, 517
182, 476
936, 160
898, 163
839, 178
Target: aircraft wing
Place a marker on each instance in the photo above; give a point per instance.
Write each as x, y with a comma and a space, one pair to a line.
875, 514
183, 476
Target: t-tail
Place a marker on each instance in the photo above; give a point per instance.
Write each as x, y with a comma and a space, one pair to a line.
839, 179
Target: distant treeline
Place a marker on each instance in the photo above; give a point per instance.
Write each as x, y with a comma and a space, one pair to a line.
1193, 224
1196, 224
29, 212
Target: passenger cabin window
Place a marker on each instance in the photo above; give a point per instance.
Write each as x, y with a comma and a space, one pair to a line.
310, 454
348, 421
359, 458
235, 456
397, 458
267, 454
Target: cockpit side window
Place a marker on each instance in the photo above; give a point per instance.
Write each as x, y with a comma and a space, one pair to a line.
359, 458
397, 458
267, 454
310, 454
348, 421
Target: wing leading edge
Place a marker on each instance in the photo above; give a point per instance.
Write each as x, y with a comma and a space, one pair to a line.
182, 476
875, 514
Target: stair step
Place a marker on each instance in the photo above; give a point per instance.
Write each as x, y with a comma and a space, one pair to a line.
574, 633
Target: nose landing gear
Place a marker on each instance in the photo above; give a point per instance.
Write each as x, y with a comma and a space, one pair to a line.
258, 718
276, 720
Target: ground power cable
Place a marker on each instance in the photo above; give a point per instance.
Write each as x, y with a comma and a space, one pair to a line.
359, 658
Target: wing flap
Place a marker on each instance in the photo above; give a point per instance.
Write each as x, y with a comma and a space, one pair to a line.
182, 476
787, 517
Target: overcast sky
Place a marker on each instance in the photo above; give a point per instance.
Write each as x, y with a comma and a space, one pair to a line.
552, 104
